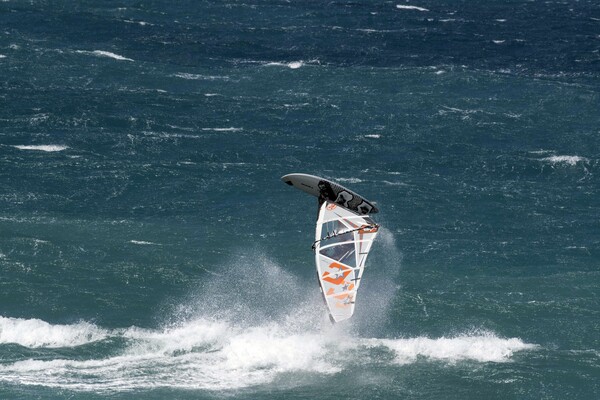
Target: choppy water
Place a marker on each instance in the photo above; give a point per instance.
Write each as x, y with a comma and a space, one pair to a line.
149, 250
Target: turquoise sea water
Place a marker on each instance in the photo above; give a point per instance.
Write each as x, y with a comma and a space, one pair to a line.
149, 250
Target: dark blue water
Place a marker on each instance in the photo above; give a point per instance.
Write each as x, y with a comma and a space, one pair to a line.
148, 248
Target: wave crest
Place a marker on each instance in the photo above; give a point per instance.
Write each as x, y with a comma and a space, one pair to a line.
35, 333
219, 355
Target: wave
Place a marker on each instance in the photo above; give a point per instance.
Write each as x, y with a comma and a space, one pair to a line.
35, 333
415, 8
47, 148
569, 160
185, 75
218, 355
237, 333
143, 242
291, 65
481, 347
102, 53
230, 129
349, 180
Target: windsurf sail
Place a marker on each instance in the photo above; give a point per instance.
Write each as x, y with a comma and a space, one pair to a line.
343, 240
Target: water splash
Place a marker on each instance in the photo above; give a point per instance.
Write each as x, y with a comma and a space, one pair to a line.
244, 327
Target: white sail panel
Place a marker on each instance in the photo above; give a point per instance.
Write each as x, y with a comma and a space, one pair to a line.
343, 240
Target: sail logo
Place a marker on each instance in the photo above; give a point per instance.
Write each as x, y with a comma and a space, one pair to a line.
339, 277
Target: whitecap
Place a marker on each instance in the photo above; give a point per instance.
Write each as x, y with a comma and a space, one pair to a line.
218, 355
349, 180
102, 53
373, 136
291, 65
253, 337
483, 347
46, 148
199, 354
394, 183
196, 77
569, 160
404, 7
231, 129
498, 41
35, 333
2, 56
143, 242
541, 151
142, 23
108, 54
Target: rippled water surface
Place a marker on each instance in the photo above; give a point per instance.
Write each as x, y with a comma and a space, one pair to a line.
149, 250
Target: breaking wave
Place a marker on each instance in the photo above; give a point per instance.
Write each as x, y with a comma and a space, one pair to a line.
415, 8
107, 54
568, 160
233, 334
35, 333
47, 148
218, 355
291, 65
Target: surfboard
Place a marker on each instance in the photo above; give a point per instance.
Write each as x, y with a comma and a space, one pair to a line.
332, 192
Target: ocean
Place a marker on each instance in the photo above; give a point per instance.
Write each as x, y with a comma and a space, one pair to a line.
149, 250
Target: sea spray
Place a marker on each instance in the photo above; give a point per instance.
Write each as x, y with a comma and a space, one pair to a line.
209, 355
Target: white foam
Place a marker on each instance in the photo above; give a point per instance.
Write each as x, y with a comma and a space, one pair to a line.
102, 53
292, 65
498, 41
349, 180
271, 347
197, 77
47, 148
484, 347
142, 242
394, 183
569, 160
108, 54
541, 151
404, 7
231, 129
260, 329
2, 56
142, 23
200, 354
37, 333
216, 355
373, 136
